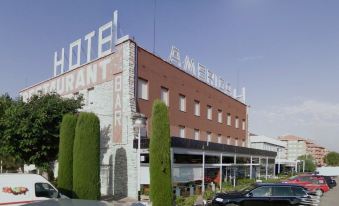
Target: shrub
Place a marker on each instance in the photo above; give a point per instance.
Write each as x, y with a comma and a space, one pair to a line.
86, 161
160, 160
185, 201
65, 171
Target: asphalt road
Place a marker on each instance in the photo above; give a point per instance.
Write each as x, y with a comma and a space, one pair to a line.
330, 198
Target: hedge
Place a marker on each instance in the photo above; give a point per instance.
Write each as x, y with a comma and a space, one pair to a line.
65, 159
86, 161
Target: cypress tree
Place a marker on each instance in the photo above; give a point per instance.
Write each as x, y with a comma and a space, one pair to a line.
65, 171
160, 160
86, 161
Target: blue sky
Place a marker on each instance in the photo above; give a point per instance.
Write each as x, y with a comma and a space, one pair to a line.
284, 52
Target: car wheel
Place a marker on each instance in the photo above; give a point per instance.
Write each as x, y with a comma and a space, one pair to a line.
319, 192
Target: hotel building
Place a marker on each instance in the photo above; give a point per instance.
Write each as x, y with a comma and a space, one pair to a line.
208, 126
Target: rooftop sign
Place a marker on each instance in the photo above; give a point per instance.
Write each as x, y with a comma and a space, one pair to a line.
204, 74
106, 39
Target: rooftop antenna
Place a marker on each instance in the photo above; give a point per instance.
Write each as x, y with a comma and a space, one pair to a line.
154, 18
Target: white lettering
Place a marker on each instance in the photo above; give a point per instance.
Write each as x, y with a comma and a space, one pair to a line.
118, 83
174, 57
80, 80
221, 85
69, 82
189, 65
52, 86
60, 82
77, 44
103, 65
60, 62
210, 78
88, 38
201, 72
117, 102
104, 40
92, 74
45, 88
117, 118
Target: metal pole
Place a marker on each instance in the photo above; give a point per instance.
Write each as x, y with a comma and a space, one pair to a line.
220, 171
251, 168
138, 163
234, 176
304, 165
259, 167
266, 168
203, 172
234, 167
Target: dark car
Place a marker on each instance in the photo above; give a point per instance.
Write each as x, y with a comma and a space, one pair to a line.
265, 195
330, 182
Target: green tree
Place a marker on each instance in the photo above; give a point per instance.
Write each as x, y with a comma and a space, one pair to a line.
332, 159
65, 159
9, 163
160, 160
309, 162
86, 157
31, 129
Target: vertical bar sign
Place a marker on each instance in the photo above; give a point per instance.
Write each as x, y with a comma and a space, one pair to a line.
117, 108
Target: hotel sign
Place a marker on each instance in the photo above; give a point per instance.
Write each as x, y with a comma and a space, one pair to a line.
204, 74
106, 39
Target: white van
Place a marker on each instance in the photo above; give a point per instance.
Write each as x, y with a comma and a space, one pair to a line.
20, 189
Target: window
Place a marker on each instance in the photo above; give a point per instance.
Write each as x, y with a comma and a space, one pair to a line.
228, 140
196, 134
143, 89
236, 142
243, 124
282, 191
236, 122
209, 112
219, 138
243, 143
90, 97
229, 119
209, 138
196, 108
45, 190
182, 131
262, 192
219, 116
182, 103
164, 95
299, 191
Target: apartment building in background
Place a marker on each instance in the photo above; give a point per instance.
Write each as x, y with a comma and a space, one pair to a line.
298, 146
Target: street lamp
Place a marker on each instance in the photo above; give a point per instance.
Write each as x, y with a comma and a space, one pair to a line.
139, 122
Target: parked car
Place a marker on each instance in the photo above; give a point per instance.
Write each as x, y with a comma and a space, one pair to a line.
265, 194
19, 189
330, 182
314, 184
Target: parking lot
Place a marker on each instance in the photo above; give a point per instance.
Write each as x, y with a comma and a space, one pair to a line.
331, 197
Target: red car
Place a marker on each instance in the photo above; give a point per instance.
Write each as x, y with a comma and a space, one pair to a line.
314, 184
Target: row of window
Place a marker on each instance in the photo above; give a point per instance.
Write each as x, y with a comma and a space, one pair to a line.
220, 139
164, 96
